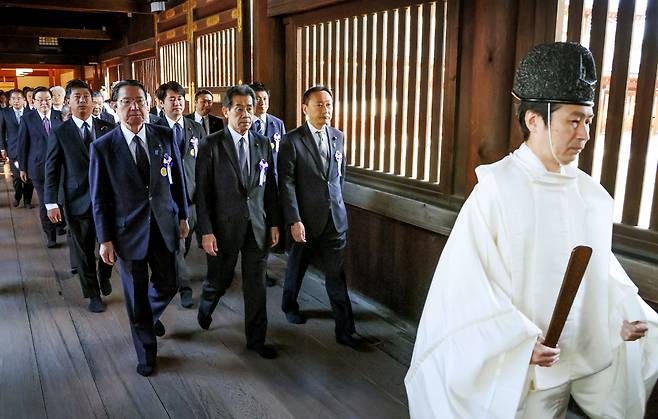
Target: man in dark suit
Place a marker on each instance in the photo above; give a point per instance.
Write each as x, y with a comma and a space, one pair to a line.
67, 164
311, 176
98, 111
140, 213
108, 112
203, 100
29, 99
10, 120
188, 135
238, 214
158, 109
32, 144
273, 128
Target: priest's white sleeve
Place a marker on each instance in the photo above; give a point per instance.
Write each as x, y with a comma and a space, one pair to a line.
473, 347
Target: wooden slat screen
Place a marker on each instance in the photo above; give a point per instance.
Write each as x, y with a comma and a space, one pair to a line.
112, 75
623, 149
216, 59
173, 63
386, 72
145, 70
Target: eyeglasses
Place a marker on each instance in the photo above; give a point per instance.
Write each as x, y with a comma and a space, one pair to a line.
140, 101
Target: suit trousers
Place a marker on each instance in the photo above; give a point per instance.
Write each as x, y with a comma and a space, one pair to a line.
146, 304
184, 280
22, 191
330, 247
220, 276
83, 243
48, 227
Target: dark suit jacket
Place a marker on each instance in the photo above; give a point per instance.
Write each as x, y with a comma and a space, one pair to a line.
122, 205
191, 130
306, 192
156, 120
224, 204
33, 143
107, 117
67, 164
9, 131
274, 129
216, 124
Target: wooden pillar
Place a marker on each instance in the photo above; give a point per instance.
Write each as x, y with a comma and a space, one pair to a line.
191, 48
243, 41
492, 75
269, 55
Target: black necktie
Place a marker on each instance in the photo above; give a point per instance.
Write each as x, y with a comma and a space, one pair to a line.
141, 160
86, 136
242, 156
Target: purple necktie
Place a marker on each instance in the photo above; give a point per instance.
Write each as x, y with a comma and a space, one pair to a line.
46, 125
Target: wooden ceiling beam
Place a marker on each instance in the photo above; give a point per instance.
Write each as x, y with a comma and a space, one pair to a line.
65, 33
96, 6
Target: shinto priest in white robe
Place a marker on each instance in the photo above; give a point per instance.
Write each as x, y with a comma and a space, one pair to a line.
494, 290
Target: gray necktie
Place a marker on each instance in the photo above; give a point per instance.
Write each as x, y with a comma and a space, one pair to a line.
19, 114
324, 151
242, 157
206, 124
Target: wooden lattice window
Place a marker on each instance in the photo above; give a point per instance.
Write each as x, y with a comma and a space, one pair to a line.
173, 63
216, 59
386, 70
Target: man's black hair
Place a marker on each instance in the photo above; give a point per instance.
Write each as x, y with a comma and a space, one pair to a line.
202, 92
174, 86
124, 83
315, 89
76, 84
540, 108
240, 90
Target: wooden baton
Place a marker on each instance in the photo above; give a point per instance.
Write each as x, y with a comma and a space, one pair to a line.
578, 262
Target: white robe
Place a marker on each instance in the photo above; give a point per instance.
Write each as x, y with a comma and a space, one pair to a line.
495, 287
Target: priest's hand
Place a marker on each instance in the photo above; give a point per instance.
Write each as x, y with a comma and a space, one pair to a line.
631, 331
184, 229
298, 232
275, 236
544, 356
24, 176
209, 244
107, 253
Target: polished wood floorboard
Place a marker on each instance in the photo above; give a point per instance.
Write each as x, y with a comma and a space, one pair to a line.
58, 360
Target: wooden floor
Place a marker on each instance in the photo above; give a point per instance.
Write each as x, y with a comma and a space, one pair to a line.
57, 360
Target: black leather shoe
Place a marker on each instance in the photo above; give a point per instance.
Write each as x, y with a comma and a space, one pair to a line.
61, 231
295, 317
106, 286
29, 206
15, 203
204, 321
96, 305
51, 243
186, 299
145, 370
74, 271
349, 340
159, 329
269, 281
265, 351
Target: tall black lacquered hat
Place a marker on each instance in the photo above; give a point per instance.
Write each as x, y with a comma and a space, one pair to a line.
559, 72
